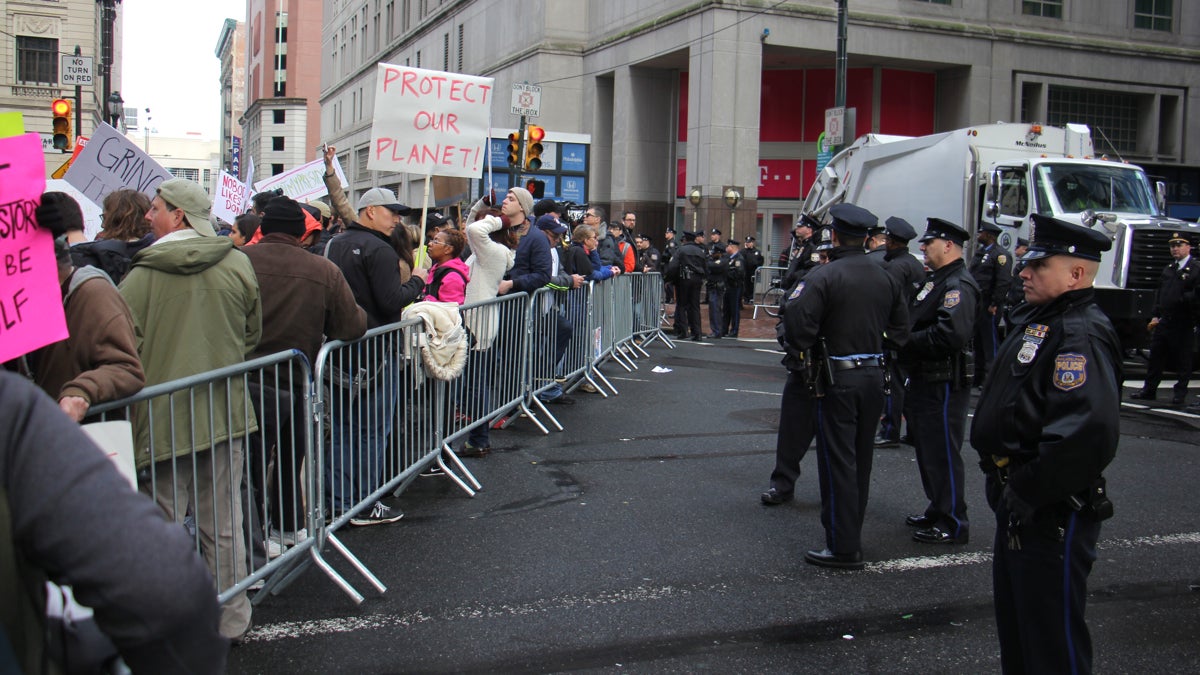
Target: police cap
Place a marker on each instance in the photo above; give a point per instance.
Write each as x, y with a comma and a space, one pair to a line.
734, 243
808, 221
899, 229
851, 220
985, 226
1180, 236
670, 230
1051, 236
714, 231
690, 236
750, 239
824, 238
938, 228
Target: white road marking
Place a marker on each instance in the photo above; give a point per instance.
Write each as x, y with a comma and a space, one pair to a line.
1165, 411
625, 379
751, 391
771, 351
644, 593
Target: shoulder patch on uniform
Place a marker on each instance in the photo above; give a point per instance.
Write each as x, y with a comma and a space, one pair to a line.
951, 299
797, 291
1002, 259
1070, 371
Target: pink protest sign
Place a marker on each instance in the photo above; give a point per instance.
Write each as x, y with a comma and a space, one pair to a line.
31, 309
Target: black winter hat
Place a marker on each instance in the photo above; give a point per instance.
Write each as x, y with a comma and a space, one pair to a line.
284, 215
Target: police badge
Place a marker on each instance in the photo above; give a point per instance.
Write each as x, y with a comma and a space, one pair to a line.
1000, 259
1027, 353
951, 299
1070, 371
797, 291
925, 291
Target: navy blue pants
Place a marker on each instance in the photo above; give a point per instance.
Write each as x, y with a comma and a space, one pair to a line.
987, 341
731, 315
1041, 591
796, 429
937, 418
846, 419
715, 317
893, 404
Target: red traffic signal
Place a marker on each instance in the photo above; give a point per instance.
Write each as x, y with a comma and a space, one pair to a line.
533, 151
60, 108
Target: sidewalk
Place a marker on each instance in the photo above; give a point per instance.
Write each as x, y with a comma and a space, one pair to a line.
761, 328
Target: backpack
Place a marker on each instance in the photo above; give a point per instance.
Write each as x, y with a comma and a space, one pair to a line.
434, 285
110, 256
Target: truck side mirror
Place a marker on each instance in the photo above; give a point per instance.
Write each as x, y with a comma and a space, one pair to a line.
1160, 196
992, 208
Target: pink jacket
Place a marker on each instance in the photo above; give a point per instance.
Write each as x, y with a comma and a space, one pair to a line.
446, 285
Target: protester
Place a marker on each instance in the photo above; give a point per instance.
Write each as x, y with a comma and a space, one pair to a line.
196, 307
125, 233
449, 275
245, 228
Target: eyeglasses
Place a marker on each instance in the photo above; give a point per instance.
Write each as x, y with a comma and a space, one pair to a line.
439, 242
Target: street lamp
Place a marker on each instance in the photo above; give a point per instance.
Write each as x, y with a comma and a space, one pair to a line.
695, 197
732, 199
116, 108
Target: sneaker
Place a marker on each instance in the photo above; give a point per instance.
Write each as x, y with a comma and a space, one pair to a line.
274, 549
433, 472
380, 514
289, 538
588, 387
469, 450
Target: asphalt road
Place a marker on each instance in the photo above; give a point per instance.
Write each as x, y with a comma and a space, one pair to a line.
635, 541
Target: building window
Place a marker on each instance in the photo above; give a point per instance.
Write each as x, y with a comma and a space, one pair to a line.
936, 2
1111, 114
460, 47
276, 169
405, 15
418, 58
279, 116
1051, 9
37, 60
445, 51
280, 89
1152, 14
277, 143
190, 174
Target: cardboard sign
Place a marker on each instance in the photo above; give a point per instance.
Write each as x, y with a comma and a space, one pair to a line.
92, 213
303, 183
230, 200
31, 309
111, 162
429, 122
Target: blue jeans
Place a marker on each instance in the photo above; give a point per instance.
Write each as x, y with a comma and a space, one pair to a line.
477, 396
361, 420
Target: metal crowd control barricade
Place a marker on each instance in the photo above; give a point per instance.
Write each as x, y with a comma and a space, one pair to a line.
768, 280
379, 423
489, 387
619, 321
229, 454
575, 367
648, 311
550, 333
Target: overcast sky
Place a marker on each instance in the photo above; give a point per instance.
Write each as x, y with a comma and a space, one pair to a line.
169, 64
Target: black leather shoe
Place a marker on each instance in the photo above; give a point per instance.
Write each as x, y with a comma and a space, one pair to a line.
920, 520
882, 442
827, 558
774, 497
713, 336
1144, 396
695, 338
935, 535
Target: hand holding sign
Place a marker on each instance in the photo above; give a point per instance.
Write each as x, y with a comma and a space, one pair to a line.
31, 310
429, 122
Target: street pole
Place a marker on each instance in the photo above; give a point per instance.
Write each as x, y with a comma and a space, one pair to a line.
107, 19
78, 103
839, 91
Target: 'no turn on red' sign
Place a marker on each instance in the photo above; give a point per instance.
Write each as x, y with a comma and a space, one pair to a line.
76, 71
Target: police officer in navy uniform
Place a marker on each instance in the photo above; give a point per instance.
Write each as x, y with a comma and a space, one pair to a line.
1174, 321
718, 275
735, 276
1046, 425
754, 260
844, 308
992, 269
686, 270
939, 386
801, 256
668, 252
909, 271
876, 245
1016, 292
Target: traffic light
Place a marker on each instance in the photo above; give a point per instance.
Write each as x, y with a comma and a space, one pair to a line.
533, 151
514, 149
537, 188
61, 109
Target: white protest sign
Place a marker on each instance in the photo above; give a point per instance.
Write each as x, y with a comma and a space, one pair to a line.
92, 213
429, 122
230, 200
303, 183
111, 162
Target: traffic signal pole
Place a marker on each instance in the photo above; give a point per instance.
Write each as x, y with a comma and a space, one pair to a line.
78, 101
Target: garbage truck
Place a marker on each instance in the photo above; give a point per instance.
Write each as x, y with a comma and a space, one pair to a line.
1001, 173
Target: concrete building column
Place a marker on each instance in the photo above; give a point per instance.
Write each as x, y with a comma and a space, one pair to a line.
642, 168
724, 85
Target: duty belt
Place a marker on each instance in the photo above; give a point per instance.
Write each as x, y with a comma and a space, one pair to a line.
856, 361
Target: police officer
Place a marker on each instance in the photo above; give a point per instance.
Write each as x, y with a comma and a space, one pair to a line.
753, 260
845, 307
648, 259
686, 270
735, 276
939, 388
801, 256
1174, 321
1046, 425
877, 246
668, 252
718, 274
992, 269
1016, 292
909, 271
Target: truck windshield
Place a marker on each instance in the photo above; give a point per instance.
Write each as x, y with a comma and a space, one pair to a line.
1072, 188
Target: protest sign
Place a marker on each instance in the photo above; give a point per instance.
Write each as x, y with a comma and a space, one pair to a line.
111, 162
11, 124
429, 122
31, 309
92, 213
303, 183
230, 200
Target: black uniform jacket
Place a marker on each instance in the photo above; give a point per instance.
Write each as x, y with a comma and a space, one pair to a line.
690, 256
942, 314
850, 302
992, 269
1053, 399
907, 269
1176, 300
